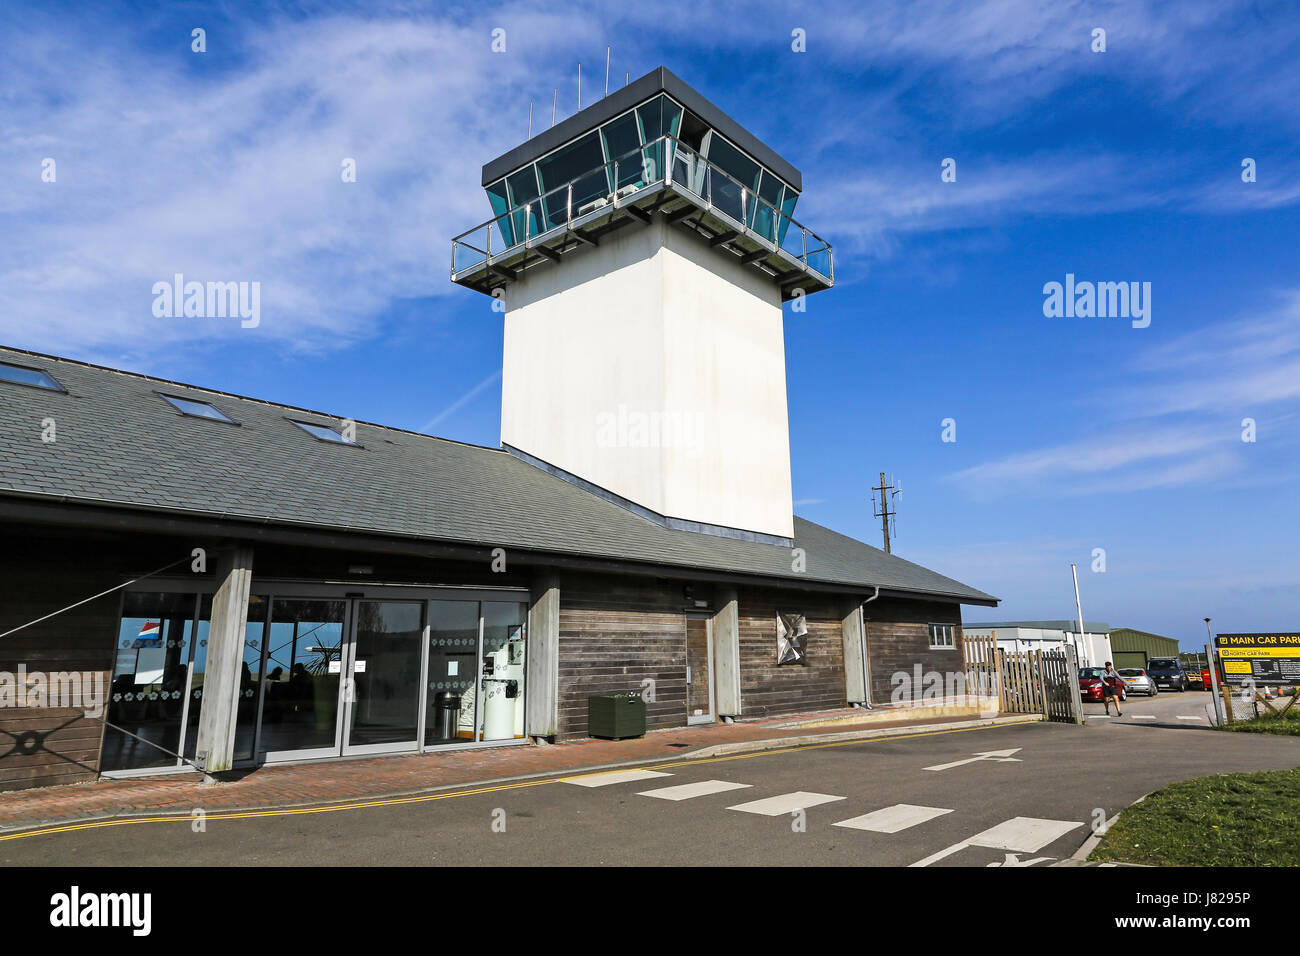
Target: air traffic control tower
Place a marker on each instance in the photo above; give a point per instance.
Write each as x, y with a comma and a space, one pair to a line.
643, 249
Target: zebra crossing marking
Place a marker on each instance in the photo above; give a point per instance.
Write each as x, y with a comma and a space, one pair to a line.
688, 791
1018, 835
614, 776
893, 819
785, 803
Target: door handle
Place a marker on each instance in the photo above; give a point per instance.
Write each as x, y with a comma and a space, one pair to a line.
688, 673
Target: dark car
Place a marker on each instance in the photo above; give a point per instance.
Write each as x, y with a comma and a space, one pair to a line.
1168, 672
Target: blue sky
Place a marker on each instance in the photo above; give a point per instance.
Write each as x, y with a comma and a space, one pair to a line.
1072, 433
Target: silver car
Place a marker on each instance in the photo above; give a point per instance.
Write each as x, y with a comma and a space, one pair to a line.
1139, 681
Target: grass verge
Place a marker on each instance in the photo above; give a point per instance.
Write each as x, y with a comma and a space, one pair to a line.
1229, 819
1266, 723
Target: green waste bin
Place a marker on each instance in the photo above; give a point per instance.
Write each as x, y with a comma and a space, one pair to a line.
616, 716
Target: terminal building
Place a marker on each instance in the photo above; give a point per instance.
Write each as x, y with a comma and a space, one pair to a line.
254, 582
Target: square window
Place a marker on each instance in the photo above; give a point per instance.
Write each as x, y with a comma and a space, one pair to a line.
197, 409
324, 432
22, 375
942, 637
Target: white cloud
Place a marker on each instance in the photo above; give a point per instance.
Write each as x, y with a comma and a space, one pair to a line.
1182, 424
163, 169
228, 167
1245, 364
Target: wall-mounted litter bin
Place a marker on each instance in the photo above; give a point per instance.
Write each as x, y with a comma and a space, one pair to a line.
616, 716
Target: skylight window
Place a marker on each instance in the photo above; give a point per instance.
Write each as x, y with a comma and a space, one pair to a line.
197, 409
323, 432
22, 375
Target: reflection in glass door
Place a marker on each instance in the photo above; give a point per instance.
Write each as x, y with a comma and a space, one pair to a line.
383, 696
249, 679
150, 678
303, 667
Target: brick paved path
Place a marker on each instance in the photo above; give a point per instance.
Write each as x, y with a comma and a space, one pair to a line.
342, 780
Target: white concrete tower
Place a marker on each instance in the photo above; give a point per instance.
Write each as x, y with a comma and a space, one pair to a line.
643, 249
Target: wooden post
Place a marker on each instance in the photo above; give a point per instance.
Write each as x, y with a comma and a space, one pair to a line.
852, 632
1040, 679
726, 654
214, 747
1072, 677
997, 674
542, 708
1227, 704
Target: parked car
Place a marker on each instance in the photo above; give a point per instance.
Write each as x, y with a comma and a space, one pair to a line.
1090, 684
1139, 681
1168, 672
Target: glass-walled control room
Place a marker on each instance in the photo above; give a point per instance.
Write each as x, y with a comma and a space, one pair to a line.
324, 673
625, 154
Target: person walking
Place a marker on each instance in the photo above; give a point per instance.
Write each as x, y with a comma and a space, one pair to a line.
1112, 685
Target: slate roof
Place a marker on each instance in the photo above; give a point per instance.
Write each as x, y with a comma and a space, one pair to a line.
119, 443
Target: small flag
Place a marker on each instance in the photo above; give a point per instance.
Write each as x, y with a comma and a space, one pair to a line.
150, 636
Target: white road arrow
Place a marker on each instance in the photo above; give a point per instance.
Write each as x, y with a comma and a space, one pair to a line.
1001, 756
1013, 859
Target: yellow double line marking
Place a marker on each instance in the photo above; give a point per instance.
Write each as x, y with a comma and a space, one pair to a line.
430, 797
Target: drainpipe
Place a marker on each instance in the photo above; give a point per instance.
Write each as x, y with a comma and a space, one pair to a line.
866, 661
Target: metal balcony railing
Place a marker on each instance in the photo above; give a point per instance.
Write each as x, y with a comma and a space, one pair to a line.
664, 160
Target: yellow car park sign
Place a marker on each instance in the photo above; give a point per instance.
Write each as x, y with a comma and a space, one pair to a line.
1263, 658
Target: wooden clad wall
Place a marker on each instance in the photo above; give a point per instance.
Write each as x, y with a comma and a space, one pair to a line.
40, 746
614, 634
898, 638
765, 688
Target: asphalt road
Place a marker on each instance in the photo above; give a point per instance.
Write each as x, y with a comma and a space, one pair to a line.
1033, 805
1192, 707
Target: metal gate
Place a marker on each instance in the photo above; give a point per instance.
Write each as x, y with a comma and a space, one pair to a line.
1025, 682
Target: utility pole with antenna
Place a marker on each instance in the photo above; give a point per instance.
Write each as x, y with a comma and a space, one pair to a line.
530, 119
579, 87
880, 503
555, 98
607, 71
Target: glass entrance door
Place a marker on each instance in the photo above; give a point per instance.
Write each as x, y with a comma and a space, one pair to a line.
382, 697
358, 675
303, 668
